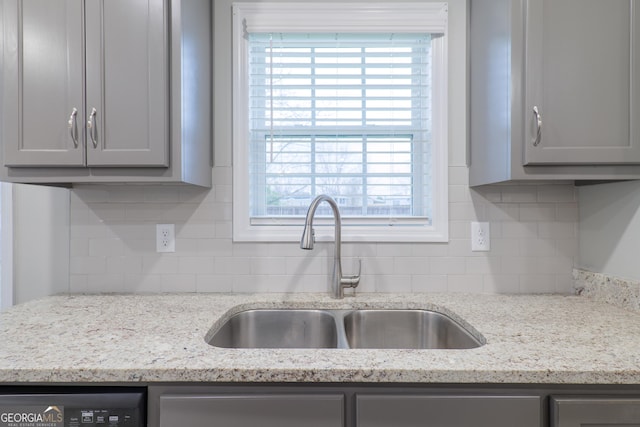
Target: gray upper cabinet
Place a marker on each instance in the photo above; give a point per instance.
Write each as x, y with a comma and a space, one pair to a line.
106, 91
582, 411
583, 79
43, 83
127, 83
555, 90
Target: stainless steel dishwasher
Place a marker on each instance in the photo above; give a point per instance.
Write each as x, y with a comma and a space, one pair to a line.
68, 406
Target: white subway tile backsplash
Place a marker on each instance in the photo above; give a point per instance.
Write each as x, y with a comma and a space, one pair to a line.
501, 284
462, 248
394, 250
557, 193
177, 283
484, 265
222, 175
125, 264
411, 266
224, 230
503, 212
520, 230
79, 247
567, 212
558, 230
230, 266
105, 247
538, 284
304, 266
458, 175
95, 266
461, 230
533, 244
376, 266
115, 282
426, 250
214, 283
143, 283
459, 193
469, 283
78, 284
160, 264
537, 247
448, 265
393, 283
431, 283
505, 247
265, 266
166, 194
224, 193
195, 265
538, 212
518, 194
466, 211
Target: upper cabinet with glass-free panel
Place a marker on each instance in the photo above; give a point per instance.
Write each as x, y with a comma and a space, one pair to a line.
42, 82
555, 90
123, 98
582, 81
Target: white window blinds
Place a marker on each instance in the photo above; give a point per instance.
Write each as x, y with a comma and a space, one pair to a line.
349, 115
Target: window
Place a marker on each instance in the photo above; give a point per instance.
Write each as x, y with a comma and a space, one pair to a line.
352, 107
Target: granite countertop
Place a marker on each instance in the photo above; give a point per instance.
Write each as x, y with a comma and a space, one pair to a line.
544, 339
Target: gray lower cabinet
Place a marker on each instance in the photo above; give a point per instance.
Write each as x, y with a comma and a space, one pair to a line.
105, 91
264, 410
581, 411
340, 406
447, 411
554, 90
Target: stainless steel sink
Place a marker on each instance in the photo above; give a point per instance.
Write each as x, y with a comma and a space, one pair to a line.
278, 329
405, 329
372, 329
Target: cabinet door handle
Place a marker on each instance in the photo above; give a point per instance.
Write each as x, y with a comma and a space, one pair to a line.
73, 127
93, 129
538, 123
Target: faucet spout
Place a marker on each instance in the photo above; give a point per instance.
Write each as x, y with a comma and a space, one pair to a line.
338, 281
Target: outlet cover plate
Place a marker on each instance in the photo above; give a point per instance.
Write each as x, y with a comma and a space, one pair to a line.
165, 238
480, 236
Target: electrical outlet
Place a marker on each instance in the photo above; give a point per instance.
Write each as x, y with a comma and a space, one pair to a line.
165, 238
480, 236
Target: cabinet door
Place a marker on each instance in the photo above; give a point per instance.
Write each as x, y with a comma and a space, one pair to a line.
582, 76
264, 410
42, 80
448, 411
127, 82
601, 412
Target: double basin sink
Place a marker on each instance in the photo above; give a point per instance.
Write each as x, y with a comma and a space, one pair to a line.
364, 328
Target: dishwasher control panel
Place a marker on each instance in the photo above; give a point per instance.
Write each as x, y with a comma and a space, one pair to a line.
122, 409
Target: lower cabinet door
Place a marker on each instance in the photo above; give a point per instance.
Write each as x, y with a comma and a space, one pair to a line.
569, 411
448, 411
260, 410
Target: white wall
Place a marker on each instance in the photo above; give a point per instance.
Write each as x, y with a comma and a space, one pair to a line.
40, 241
533, 227
610, 229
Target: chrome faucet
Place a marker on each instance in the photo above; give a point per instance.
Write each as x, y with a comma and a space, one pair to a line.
338, 281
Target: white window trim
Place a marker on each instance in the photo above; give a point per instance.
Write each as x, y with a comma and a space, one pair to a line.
355, 18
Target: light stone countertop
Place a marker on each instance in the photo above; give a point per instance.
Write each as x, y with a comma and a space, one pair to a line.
160, 338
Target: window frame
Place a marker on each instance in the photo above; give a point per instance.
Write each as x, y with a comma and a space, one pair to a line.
353, 17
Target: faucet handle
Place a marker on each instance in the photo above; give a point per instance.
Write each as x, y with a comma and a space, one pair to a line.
359, 268
352, 280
